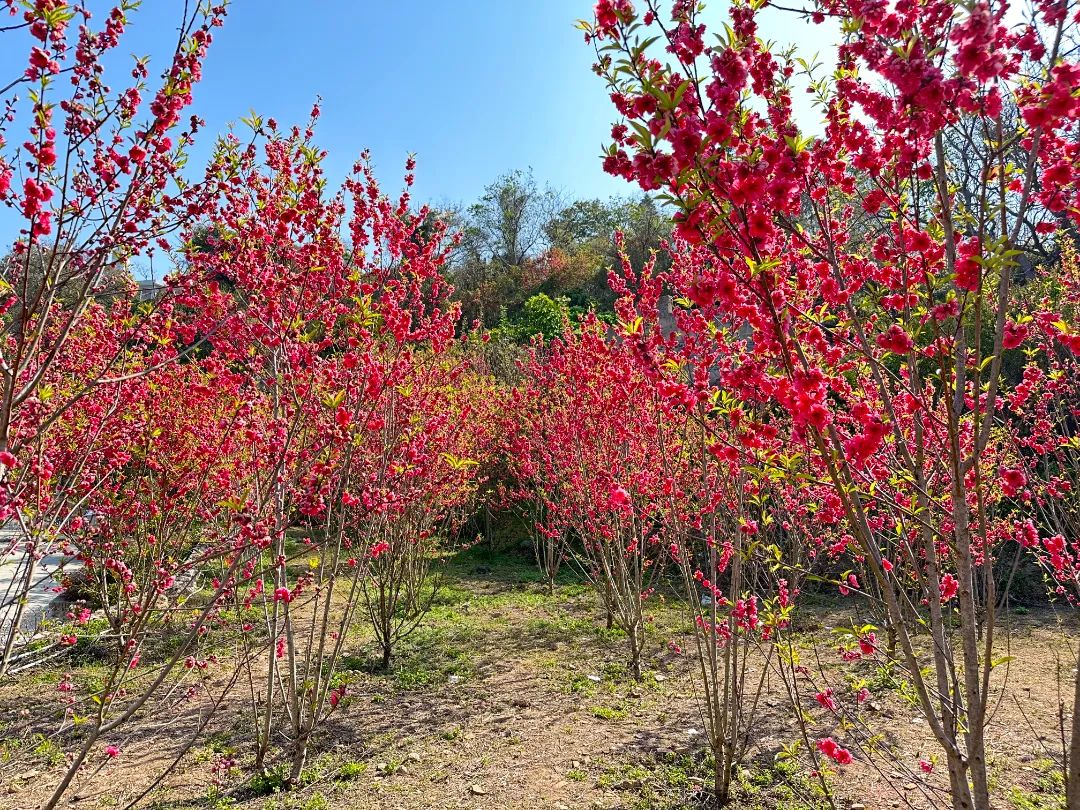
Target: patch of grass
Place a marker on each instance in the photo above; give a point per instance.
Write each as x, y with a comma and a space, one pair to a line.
576, 775
666, 784
46, 749
416, 677
312, 801
218, 800
781, 784
353, 663
221, 743
610, 712
624, 776
615, 671
432, 654
264, 784
351, 770
391, 766
580, 684
677, 781
1049, 790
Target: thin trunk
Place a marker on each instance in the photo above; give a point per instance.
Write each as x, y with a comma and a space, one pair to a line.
721, 782
1072, 784
299, 760
635, 654
960, 789
975, 737
19, 602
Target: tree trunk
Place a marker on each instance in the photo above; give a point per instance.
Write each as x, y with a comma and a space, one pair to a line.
299, 760
636, 643
1072, 783
958, 782
721, 779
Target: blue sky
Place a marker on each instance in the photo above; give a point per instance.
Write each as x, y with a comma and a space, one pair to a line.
475, 88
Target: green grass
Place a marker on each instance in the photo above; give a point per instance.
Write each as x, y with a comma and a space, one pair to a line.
677, 781
47, 750
264, 784
1049, 790
661, 785
610, 712
351, 770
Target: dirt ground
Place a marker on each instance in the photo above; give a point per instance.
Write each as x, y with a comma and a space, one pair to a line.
507, 697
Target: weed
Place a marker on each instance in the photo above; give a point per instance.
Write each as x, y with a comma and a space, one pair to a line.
217, 800
47, 750
351, 770
610, 712
1049, 790
263, 784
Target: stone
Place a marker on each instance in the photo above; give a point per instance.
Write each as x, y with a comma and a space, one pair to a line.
413, 757
476, 790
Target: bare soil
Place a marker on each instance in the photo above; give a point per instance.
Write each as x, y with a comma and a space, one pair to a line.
507, 697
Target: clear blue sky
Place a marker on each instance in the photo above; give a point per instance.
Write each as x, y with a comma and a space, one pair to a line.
475, 88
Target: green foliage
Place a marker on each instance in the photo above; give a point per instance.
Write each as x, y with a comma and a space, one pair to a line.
610, 712
263, 784
47, 750
218, 800
351, 770
545, 316
520, 240
1048, 792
